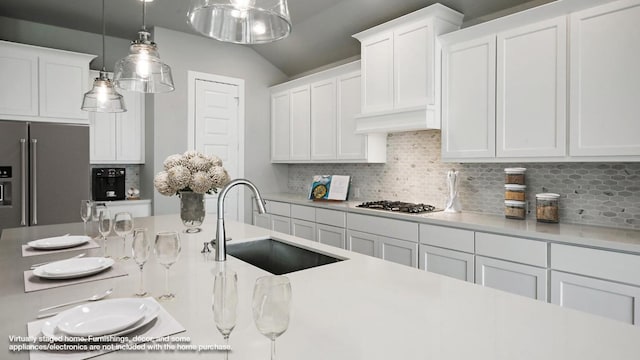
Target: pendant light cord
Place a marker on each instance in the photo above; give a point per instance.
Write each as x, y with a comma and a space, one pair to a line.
103, 41
144, 12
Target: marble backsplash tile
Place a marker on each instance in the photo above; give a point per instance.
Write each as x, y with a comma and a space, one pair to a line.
606, 194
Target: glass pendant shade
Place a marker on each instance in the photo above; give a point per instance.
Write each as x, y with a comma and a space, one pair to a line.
142, 70
241, 21
103, 97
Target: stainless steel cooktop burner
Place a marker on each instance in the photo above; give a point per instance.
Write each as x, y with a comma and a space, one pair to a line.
398, 206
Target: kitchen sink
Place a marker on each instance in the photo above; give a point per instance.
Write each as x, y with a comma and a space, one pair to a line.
277, 257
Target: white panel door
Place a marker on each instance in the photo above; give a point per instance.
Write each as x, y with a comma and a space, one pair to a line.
413, 65
304, 229
446, 262
216, 133
515, 278
377, 73
130, 129
399, 251
363, 243
350, 145
331, 235
63, 81
605, 298
323, 120
300, 123
280, 126
468, 99
605, 81
19, 76
102, 137
531, 90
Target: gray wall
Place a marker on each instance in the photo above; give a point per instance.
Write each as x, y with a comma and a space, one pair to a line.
184, 52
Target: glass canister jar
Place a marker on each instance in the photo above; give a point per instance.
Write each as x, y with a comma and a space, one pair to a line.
547, 207
515, 192
514, 176
515, 209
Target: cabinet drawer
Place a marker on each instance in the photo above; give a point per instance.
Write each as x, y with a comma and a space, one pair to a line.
303, 212
597, 263
456, 239
278, 208
511, 248
398, 229
331, 217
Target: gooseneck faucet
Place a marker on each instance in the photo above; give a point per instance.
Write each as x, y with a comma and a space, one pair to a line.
220, 240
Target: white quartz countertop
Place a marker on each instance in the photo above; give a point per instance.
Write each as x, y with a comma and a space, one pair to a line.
359, 308
576, 234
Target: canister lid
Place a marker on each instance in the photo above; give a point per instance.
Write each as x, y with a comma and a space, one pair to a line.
515, 187
515, 170
547, 196
514, 203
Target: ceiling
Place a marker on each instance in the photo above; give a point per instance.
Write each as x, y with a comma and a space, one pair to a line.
321, 32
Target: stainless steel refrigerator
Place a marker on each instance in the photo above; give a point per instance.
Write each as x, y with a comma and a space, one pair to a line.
44, 173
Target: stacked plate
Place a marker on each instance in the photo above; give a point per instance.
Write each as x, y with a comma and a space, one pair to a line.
113, 317
59, 242
73, 268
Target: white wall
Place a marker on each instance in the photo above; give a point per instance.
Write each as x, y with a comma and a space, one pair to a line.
168, 132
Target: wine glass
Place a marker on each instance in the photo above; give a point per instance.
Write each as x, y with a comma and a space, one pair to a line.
123, 226
104, 227
225, 303
140, 249
271, 303
86, 207
167, 249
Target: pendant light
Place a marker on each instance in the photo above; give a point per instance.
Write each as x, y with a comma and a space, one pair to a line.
241, 21
142, 70
103, 97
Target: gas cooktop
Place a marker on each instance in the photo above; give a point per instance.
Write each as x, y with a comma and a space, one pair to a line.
398, 206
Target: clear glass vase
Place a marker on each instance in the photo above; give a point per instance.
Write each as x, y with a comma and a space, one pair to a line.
192, 210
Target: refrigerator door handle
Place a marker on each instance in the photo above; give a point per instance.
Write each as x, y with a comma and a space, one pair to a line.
34, 182
23, 173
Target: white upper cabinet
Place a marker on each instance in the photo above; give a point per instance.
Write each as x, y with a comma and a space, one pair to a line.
313, 120
531, 90
118, 138
42, 84
468, 127
401, 71
605, 80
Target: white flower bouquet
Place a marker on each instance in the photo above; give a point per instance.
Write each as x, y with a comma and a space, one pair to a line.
191, 171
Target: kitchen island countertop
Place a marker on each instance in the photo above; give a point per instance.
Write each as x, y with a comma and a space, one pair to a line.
359, 308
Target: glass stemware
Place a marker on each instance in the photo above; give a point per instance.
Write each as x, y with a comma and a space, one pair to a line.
86, 207
225, 303
123, 226
140, 250
104, 227
271, 304
167, 248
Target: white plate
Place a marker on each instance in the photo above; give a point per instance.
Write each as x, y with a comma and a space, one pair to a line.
73, 268
59, 242
102, 318
50, 327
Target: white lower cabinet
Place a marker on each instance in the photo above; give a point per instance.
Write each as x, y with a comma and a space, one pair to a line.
363, 243
331, 235
304, 229
280, 224
455, 264
137, 208
525, 280
600, 297
395, 250
262, 220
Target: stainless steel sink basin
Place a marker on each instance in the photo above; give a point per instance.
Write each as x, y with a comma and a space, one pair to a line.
277, 257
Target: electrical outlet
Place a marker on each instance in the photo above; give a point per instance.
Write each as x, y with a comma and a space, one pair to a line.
356, 193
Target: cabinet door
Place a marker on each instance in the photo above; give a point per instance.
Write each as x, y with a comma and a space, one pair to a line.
363, 243
531, 90
102, 138
331, 235
19, 76
605, 81
323, 120
350, 145
515, 278
399, 251
599, 297
63, 82
280, 126
413, 65
468, 99
377, 73
130, 129
300, 123
446, 262
281, 224
262, 220
304, 229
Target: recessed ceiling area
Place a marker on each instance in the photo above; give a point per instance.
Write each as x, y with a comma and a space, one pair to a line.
321, 32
